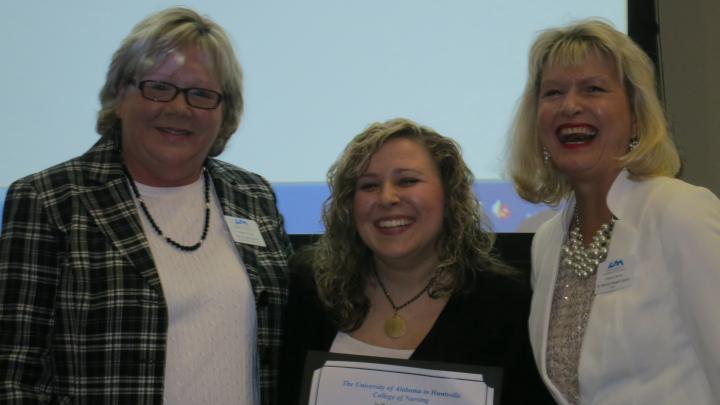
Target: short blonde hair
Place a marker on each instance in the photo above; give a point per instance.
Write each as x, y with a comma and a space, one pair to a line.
656, 155
149, 42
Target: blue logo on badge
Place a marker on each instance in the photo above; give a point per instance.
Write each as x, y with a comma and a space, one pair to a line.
616, 263
239, 221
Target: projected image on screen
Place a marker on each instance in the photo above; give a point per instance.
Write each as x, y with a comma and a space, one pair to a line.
317, 72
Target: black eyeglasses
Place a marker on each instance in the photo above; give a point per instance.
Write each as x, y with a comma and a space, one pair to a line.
164, 92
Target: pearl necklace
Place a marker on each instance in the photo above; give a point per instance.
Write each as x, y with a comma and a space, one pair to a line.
584, 261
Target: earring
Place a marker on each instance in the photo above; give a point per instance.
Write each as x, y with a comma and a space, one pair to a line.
546, 155
634, 143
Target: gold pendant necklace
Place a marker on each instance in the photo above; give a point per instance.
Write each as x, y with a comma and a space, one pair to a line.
395, 326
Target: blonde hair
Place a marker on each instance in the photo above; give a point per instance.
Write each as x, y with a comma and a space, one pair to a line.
342, 262
149, 42
656, 155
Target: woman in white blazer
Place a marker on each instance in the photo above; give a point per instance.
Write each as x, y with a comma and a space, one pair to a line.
626, 277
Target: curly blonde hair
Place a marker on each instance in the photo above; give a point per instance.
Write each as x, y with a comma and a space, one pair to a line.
656, 155
342, 262
150, 41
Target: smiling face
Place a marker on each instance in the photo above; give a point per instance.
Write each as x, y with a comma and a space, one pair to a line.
585, 118
165, 144
399, 203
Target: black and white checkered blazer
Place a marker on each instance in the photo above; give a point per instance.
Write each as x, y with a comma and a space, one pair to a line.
83, 319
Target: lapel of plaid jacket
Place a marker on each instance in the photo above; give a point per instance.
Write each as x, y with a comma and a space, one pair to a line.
235, 204
107, 198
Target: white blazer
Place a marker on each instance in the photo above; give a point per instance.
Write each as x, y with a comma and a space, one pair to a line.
656, 341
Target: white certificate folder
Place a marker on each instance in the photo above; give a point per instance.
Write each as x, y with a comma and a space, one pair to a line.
332, 379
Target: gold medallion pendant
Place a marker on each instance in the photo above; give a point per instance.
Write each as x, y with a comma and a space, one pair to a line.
395, 327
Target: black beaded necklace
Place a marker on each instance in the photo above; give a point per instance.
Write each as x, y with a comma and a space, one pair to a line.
185, 248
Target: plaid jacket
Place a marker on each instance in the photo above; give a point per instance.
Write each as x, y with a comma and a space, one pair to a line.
83, 319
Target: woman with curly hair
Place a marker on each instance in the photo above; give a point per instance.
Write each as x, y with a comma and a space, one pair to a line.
404, 269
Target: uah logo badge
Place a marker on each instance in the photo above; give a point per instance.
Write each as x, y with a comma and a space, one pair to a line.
616, 263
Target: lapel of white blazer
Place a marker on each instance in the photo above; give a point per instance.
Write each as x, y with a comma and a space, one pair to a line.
602, 323
546, 256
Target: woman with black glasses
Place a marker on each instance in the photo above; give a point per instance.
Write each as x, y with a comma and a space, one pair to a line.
146, 271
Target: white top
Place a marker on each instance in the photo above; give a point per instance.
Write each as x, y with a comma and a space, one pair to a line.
656, 340
211, 349
347, 344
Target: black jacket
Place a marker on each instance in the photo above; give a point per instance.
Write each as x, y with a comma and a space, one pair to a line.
487, 326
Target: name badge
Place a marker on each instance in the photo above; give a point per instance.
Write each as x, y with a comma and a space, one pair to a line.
244, 231
615, 274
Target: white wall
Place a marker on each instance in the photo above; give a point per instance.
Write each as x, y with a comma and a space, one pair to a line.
317, 73
690, 52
